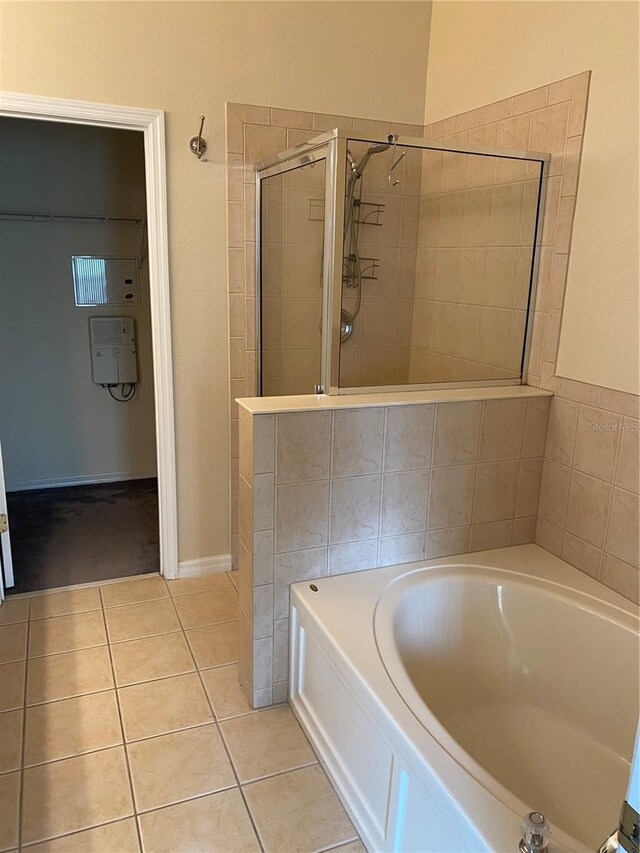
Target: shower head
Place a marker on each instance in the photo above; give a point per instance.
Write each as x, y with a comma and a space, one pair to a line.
358, 168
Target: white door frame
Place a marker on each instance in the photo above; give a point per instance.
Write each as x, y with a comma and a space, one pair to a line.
151, 124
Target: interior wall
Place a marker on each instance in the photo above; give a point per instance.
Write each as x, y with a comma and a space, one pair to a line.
354, 58
481, 52
56, 426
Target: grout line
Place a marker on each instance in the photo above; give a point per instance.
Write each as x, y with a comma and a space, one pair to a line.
24, 729
124, 743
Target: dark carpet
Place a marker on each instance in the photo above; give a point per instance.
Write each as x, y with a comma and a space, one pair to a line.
80, 534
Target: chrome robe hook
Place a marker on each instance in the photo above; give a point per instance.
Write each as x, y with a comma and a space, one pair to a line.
393, 139
197, 144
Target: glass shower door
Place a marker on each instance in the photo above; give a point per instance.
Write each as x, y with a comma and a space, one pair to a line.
291, 258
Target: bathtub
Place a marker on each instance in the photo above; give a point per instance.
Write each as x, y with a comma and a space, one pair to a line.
448, 698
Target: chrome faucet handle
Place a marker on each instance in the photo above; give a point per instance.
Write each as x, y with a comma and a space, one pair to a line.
535, 833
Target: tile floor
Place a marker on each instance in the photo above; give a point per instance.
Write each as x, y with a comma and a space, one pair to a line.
123, 728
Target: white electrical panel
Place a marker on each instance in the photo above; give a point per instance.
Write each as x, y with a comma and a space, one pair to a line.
113, 350
105, 281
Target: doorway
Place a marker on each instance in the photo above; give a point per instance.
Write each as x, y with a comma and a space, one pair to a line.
88, 456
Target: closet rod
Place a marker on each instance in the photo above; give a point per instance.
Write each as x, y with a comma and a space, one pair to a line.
55, 217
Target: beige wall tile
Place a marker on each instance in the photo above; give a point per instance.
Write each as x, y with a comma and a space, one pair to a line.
301, 515
408, 437
262, 142
96, 790
622, 534
263, 444
266, 743
575, 89
529, 487
178, 766
357, 442
353, 556
495, 534
554, 492
587, 508
291, 118
404, 502
451, 496
618, 401
502, 429
71, 727
524, 530
582, 555
447, 541
262, 621
306, 793
622, 577
220, 819
532, 100
627, 467
263, 557
401, 549
303, 446
549, 536
561, 433
354, 508
535, 428
457, 429
495, 491
496, 111
597, 440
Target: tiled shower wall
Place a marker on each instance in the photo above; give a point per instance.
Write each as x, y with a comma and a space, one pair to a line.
323, 493
254, 134
589, 511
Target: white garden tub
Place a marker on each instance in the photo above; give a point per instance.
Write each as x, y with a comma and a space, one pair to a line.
449, 698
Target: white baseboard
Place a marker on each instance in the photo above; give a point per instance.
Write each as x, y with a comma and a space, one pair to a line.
204, 566
82, 480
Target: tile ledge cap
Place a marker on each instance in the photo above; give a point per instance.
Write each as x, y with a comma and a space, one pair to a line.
325, 402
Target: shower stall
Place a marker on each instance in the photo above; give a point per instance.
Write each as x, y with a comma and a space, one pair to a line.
393, 263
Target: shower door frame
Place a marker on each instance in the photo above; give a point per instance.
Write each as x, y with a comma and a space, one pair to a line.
335, 143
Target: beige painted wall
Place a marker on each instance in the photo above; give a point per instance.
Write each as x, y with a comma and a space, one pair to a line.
55, 424
360, 58
480, 52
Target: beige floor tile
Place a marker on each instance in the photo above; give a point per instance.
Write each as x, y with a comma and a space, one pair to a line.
130, 592
151, 657
66, 633
158, 707
69, 674
10, 740
214, 645
267, 742
9, 810
224, 692
202, 583
145, 619
12, 685
118, 837
65, 602
320, 820
13, 642
14, 610
76, 793
218, 822
70, 727
179, 766
207, 608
